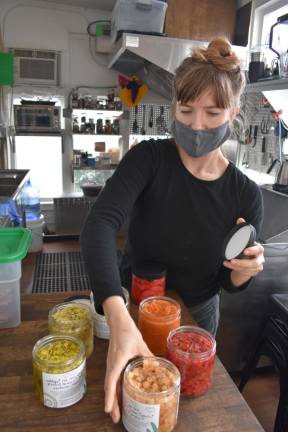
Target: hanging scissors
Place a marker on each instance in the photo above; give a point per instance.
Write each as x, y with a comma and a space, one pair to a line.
265, 125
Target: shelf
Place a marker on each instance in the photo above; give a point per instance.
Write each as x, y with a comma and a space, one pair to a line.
275, 84
97, 135
112, 113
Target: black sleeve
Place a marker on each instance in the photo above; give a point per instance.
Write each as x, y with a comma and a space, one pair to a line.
111, 209
252, 210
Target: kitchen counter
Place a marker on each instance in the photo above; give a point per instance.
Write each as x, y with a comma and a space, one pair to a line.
222, 409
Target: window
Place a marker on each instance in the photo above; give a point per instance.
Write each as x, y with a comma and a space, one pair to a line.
264, 15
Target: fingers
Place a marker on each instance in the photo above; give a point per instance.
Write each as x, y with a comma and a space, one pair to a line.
113, 373
240, 220
115, 412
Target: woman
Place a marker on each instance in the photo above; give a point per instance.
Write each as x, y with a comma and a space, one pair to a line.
183, 197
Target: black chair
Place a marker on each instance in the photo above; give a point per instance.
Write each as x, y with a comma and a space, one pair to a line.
273, 342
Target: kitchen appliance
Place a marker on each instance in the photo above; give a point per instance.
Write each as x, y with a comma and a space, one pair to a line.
154, 58
281, 182
282, 55
37, 67
37, 118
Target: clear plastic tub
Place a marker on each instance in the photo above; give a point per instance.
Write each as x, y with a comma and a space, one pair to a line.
147, 16
10, 313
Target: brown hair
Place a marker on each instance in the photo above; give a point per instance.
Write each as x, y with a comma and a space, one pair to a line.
216, 67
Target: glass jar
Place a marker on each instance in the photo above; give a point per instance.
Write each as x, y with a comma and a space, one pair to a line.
59, 369
101, 328
148, 280
157, 317
192, 349
74, 320
151, 388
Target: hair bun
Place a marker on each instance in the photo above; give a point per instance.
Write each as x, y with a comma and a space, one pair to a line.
219, 53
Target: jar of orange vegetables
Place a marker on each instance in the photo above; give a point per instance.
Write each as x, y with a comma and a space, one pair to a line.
151, 388
157, 317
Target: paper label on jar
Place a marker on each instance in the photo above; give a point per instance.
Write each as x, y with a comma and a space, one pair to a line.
64, 389
139, 417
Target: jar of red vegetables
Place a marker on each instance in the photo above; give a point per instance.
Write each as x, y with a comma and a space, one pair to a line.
157, 317
148, 279
192, 349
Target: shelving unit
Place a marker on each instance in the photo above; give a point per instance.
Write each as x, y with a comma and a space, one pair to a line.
265, 85
86, 142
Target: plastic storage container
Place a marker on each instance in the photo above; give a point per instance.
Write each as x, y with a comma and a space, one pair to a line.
31, 202
148, 280
192, 349
59, 369
14, 243
145, 16
150, 395
36, 227
157, 317
74, 319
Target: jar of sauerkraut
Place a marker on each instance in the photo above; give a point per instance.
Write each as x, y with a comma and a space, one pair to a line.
151, 388
192, 349
73, 319
59, 369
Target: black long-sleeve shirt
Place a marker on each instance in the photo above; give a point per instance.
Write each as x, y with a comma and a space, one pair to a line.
176, 219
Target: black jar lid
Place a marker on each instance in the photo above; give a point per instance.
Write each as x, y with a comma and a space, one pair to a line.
241, 236
149, 270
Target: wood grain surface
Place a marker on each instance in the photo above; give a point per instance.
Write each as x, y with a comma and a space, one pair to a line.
200, 20
221, 409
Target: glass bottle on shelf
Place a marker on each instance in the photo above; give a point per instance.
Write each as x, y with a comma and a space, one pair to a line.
74, 99
75, 126
92, 126
116, 127
83, 125
99, 126
108, 127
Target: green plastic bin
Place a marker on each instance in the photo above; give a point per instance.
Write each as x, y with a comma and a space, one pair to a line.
14, 244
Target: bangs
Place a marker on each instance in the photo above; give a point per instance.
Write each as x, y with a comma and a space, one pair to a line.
201, 80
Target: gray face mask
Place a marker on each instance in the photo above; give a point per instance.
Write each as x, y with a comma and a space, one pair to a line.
202, 141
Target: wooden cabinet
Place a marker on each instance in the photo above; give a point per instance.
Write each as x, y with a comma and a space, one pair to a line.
200, 20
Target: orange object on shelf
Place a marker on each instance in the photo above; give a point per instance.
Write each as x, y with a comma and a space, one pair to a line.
157, 317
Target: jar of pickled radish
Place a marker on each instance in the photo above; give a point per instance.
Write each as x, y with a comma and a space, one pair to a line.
59, 369
150, 396
73, 319
192, 349
148, 279
157, 317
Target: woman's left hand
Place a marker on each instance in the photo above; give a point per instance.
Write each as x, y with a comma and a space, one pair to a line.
251, 266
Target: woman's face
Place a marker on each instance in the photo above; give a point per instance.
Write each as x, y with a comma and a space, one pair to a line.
203, 113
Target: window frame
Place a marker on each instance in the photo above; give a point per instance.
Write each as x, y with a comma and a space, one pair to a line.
259, 9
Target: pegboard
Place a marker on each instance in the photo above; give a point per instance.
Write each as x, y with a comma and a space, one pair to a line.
252, 155
149, 119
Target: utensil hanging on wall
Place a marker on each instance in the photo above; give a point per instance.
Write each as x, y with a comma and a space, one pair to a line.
135, 124
143, 131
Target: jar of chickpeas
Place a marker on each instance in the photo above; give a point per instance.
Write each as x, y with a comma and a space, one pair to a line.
59, 369
151, 388
73, 319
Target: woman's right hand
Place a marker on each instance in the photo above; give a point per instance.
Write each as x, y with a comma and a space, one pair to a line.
125, 343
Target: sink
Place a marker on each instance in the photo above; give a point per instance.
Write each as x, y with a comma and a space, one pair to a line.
11, 181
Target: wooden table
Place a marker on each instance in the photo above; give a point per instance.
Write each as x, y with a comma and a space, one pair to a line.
222, 409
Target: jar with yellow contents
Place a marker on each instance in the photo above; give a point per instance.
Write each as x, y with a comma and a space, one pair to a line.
73, 319
59, 369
